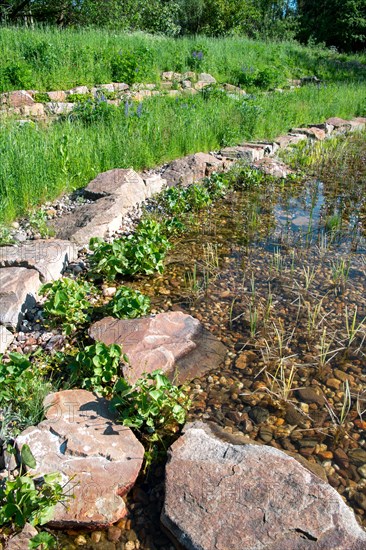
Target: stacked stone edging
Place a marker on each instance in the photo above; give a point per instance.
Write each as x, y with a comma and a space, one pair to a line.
24, 102
115, 193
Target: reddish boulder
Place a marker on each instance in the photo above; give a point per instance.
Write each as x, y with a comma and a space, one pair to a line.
273, 167
19, 99
99, 460
174, 342
224, 495
192, 168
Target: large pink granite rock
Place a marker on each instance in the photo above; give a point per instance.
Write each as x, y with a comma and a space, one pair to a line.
174, 342
221, 495
98, 458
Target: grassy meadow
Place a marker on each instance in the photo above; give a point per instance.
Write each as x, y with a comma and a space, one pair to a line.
51, 59
38, 162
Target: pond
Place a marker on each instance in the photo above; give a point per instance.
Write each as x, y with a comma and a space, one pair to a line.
277, 271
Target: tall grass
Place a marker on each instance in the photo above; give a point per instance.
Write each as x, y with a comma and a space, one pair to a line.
50, 58
39, 163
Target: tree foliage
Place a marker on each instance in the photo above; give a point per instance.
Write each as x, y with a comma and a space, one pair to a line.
340, 23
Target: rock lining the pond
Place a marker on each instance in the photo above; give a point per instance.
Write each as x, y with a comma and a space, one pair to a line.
115, 193
48, 257
18, 293
98, 458
224, 495
174, 342
6, 338
189, 169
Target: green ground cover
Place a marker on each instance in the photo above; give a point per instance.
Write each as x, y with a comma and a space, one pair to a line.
49, 58
39, 163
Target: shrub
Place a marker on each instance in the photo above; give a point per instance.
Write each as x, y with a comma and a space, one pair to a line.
91, 111
128, 304
16, 76
132, 66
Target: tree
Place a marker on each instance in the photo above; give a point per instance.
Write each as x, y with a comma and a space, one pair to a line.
340, 23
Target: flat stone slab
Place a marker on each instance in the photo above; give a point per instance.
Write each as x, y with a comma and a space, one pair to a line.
98, 457
116, 192
288, 140
18, 293
174, 342
6, 338
49, 257
126, 183
311, 132
249, 154
221, 495
98, 219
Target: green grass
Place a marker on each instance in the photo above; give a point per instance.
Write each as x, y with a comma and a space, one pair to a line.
39, 163
50, 58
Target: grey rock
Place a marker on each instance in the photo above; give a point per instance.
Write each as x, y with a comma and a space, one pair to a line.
21, 540
273, 167
249, 154
191, 168
18, 292
174, 342
288, 140
99, 459
119, 191
59, 107
6, 338
126, 183
205, 77
49, 257
154, 183
58, 96
221, 495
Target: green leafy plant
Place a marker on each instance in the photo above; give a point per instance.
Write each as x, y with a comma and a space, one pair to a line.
152, 405
67, 303
43, 541
5, 236
177, 200
128, 304
97, 366
41, 97
30, 499
15, 75
22, 390
132, 66
79, 98
143, 252
38, 222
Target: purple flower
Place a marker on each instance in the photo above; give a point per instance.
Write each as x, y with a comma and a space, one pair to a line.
139, 110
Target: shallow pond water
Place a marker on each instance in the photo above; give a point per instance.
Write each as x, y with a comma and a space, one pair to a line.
277, 272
